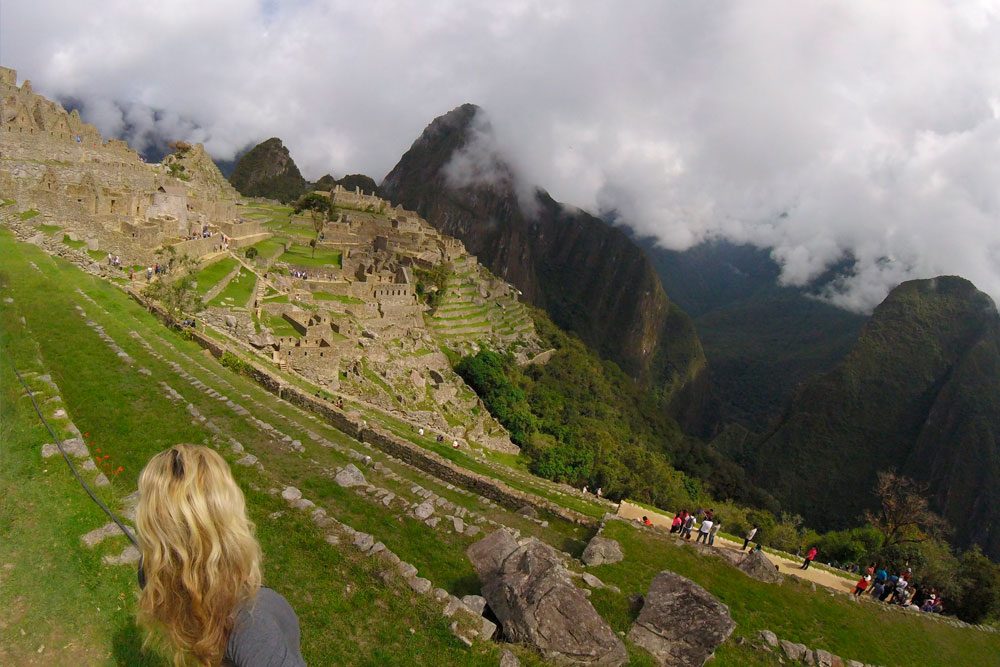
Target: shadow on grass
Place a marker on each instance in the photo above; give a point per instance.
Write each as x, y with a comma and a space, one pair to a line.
128, 651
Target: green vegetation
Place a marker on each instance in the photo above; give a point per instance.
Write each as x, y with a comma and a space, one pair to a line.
280, 326
77, 245
27, 215
792, 610
238, 292
327, 296
267, 170
321, 257
176, 291
50, 229
431, 283
210, 275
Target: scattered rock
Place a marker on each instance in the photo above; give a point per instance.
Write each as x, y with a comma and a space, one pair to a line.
477, 603
419, 584
680, 623
291, 493
76, 447
96, 536
350, 476
602, 551
102, 480
769, 638
424, 510
49, 450
592, 581
127, 557
531, 594
794, 651
508, 659
363, 541
247, 460
528, 511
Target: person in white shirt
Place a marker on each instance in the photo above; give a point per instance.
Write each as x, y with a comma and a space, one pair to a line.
749, 537
713, 532
706, 526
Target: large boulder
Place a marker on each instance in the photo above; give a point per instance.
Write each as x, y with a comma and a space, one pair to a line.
350, 476
602, 551
680, 623
755, 564
532, 596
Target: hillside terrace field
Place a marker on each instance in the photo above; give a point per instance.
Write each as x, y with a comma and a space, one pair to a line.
66, 607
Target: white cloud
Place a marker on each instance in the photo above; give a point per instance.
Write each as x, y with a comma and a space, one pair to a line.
818, 129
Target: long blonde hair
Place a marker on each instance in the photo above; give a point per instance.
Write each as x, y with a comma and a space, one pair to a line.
199, 554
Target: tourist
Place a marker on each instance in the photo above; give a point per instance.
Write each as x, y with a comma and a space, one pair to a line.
149, 273
890, 586
646, 521
675, 525
877, 589
600, 492
688, 525
703, 530
899, 592
585, 489
110, 258
207, 609
881, 575
454, 444
420, 431
862, 586
749, 536
716, 525
810, 556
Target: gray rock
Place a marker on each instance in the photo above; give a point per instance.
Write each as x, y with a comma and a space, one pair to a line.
291, 493
793, 651
592, 581
424, 510
531, 594
472, 531
407, 570
127, 557
477, 603
758, 566
363, 541
96, 536
457, 524
76, 447
508, 659
49, 450
102, 480
528, 511
487, 629
769, 638
680, 623
297, 446
303, 504
602, 551
827, 659
247, 460
350, 476
419, 584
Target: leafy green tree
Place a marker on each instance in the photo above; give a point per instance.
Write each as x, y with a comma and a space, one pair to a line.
979, 579
176, 290
319, 208
903, 516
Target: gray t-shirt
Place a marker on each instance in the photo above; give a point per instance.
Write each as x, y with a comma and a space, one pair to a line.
266, 634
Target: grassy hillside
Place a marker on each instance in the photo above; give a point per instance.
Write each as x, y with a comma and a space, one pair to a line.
68, 608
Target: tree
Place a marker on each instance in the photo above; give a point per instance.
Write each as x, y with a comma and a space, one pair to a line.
320, 208
903, 516
176, 290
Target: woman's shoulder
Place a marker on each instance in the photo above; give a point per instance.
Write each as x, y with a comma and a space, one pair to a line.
266, 632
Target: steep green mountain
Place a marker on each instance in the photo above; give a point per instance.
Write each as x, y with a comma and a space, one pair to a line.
349, 182
267, 170
590, 277
919, 392
761, 339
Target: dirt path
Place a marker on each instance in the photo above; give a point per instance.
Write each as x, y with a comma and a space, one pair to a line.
786, 566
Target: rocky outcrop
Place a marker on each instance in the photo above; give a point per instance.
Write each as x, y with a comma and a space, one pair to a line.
680, 623
758, 566
602, 551
535, 601
590, 277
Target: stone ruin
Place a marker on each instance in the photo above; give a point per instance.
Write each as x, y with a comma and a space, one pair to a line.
103, 192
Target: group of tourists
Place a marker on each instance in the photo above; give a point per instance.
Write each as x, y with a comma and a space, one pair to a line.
114, 261
898, 589
708, 525
599, 493
299, 274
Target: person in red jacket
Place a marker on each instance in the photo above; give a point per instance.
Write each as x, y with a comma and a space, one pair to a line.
862, 585
809, 558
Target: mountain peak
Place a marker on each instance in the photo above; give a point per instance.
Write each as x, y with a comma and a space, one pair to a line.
268, 170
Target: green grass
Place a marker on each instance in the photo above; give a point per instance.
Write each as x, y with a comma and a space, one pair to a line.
327, 296
78, 245
209, 276
6, 202
855, 631
27, 215
270, 248
80, 611
238, 292
50, 229
97, 255
301, 255
281, 327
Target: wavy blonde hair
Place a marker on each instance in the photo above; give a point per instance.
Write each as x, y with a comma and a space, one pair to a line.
199, 554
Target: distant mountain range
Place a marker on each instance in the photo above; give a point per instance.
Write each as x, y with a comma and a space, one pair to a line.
810, 399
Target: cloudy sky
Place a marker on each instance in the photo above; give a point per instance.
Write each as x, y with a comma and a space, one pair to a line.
817, 129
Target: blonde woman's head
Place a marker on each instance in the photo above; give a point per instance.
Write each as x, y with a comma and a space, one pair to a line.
199, 554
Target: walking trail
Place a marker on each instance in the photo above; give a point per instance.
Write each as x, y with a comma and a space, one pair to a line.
786, 566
